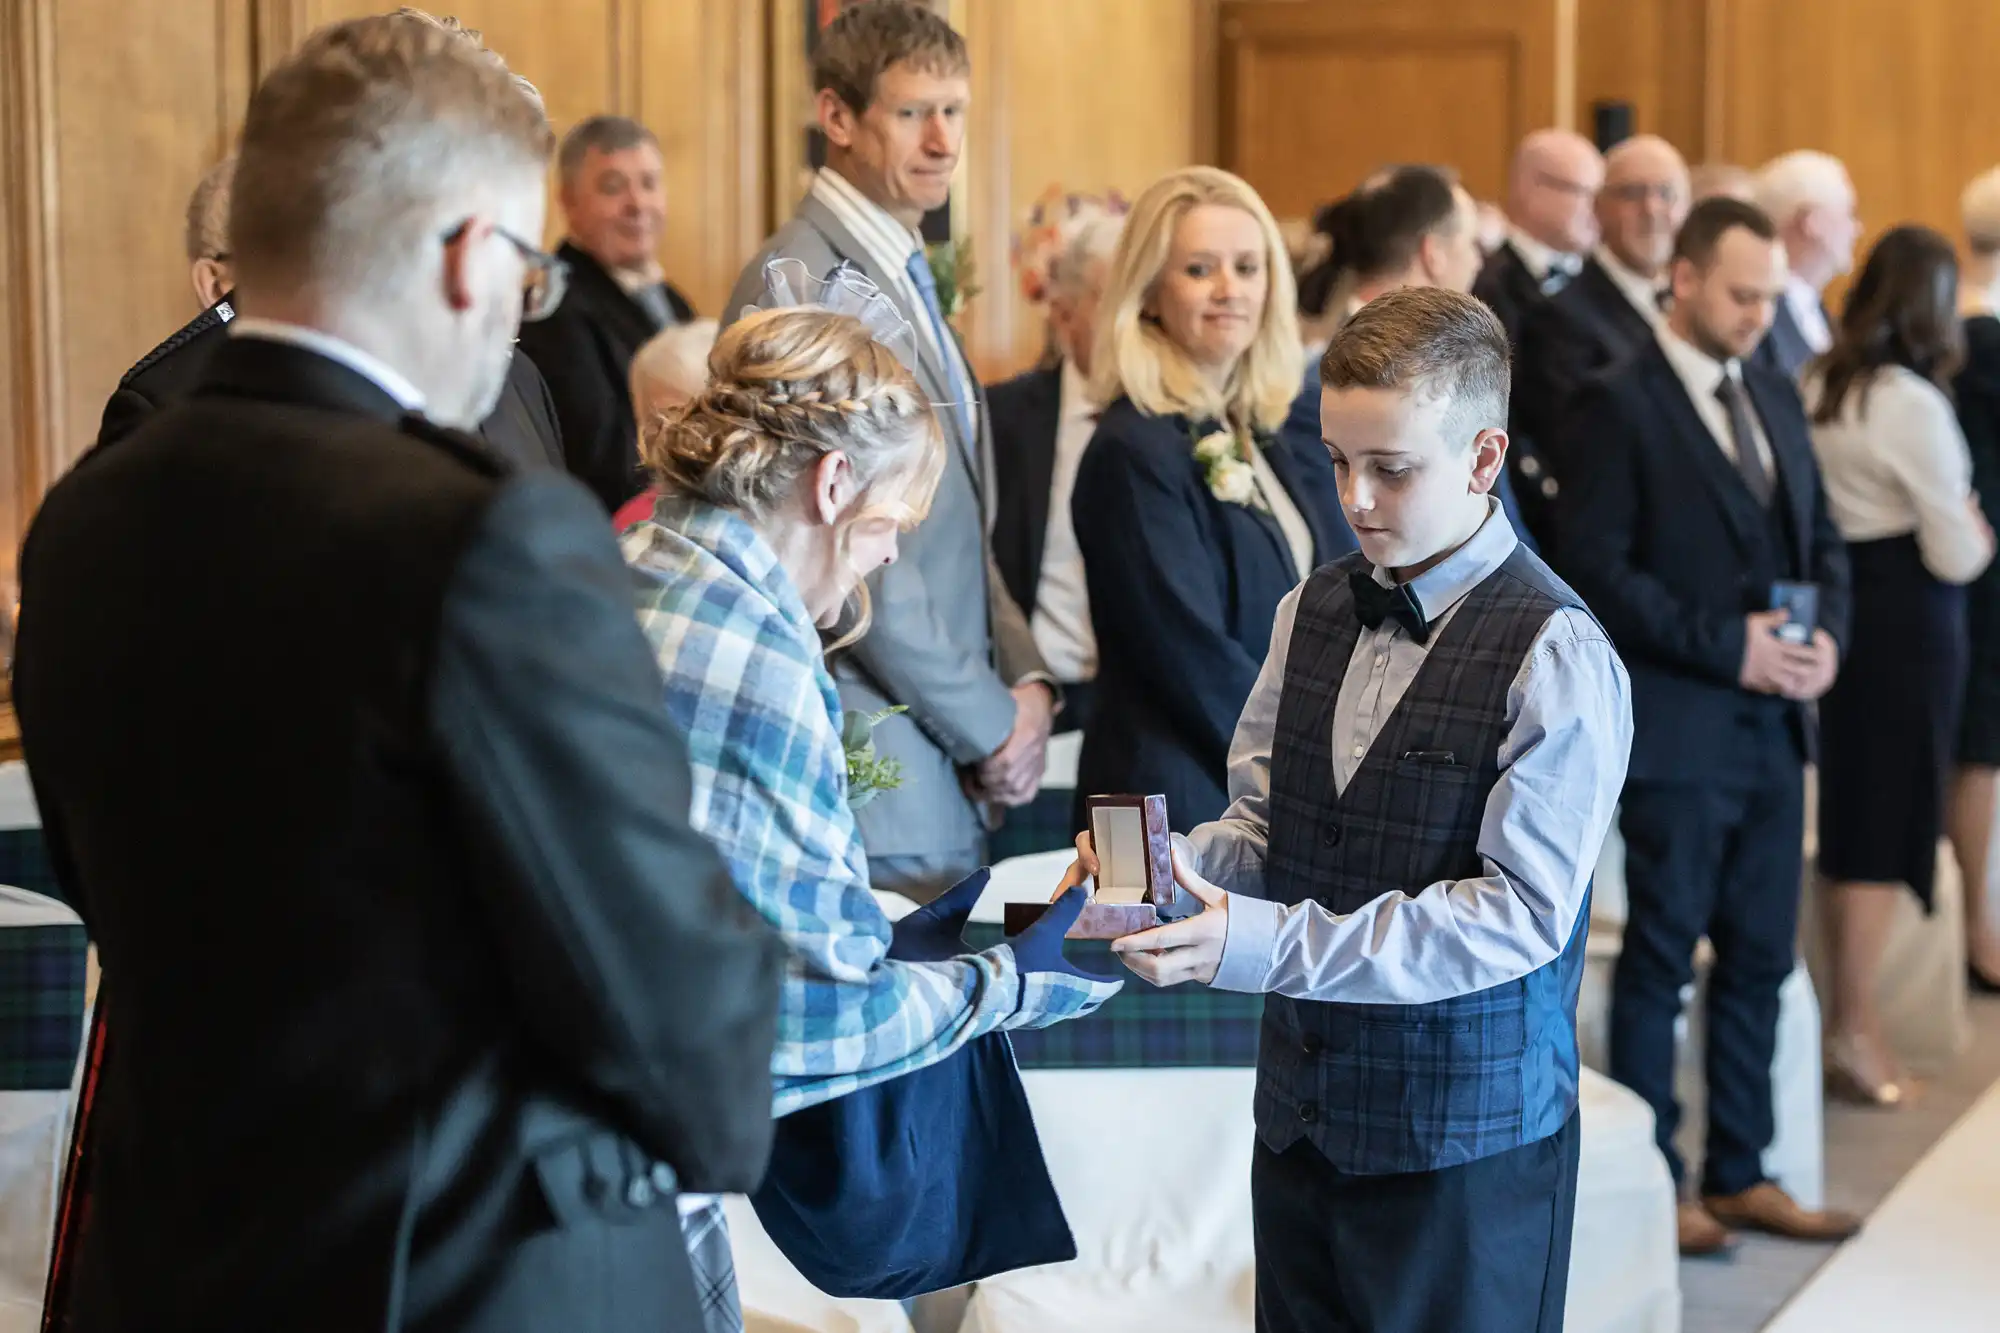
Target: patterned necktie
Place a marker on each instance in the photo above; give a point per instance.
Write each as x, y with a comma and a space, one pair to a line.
652, 299
1374, 604
1557, 277
1748, 461
919, 269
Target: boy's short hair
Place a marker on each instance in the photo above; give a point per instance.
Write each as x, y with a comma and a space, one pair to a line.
1710, 220
1431, 343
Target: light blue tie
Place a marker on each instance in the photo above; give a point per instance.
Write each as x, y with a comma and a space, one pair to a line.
919, 269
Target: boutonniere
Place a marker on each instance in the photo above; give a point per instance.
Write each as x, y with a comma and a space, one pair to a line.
952, 272
868, 775
1230, 478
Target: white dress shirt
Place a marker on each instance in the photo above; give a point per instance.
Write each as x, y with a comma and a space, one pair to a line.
1298, 533
1643, 293
1802, 299
376, 371
1701, 375
1562, 764
1896, 462
889, 244
1061, 623
1541, 258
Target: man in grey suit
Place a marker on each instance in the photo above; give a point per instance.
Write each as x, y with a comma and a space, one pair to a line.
947, 643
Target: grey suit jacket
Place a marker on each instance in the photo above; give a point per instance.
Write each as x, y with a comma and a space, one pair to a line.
947, 641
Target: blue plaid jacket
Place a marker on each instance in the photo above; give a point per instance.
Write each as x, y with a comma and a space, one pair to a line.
747, 681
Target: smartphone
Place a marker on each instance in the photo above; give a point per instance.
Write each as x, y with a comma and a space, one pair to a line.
1800, 603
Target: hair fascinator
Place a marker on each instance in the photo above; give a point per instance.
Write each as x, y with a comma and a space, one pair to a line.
845, 290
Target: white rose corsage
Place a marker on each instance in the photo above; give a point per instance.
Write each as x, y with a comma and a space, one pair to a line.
1230, 479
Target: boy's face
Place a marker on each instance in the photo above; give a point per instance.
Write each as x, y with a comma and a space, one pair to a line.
1413, 483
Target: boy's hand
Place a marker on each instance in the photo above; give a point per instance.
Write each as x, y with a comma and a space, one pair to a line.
1189, 950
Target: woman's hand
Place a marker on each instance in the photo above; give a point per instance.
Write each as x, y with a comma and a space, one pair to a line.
1081, 870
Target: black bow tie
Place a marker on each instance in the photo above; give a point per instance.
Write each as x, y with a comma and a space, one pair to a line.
1374, 604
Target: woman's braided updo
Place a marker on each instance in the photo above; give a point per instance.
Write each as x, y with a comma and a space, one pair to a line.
786, 388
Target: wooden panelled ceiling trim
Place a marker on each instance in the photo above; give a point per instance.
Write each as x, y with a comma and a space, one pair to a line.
33, 414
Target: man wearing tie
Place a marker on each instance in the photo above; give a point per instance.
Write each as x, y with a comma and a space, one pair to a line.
1609, 311
947, 643
1810, 199
1693, 492
615, 207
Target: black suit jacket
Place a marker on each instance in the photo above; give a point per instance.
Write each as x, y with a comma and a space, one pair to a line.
1026, 412
522, 428
1182, 591
1507, 285
1784, 349
1654, 530
1583, 330
424, 996
585, 349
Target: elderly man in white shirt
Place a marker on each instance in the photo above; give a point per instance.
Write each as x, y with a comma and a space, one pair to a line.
1810, 200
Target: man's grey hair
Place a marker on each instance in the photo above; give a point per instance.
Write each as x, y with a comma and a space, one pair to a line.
364, 149
600, 134
1092, 242
208, 213
1798, 180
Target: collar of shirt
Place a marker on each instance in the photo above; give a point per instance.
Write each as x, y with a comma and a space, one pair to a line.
888, 242
1701, 373
1643, 293
1441, 587
1541, 258
1807, 312
1075, 401
374, 370
633, 282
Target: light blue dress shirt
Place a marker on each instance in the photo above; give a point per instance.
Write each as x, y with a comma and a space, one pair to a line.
1562, 766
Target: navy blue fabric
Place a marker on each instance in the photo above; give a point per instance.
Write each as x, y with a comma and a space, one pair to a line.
934, 1179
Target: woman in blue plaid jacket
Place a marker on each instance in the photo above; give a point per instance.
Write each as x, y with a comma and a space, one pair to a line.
781, 486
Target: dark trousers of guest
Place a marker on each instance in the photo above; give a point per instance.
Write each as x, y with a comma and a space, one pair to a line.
1479, 1248
1720, 859
1079, 702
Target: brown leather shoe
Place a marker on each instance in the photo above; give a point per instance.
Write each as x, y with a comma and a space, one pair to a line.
1700, 1233
1769, 1209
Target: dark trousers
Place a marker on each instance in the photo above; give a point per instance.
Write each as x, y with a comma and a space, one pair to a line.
1479, 1248
1722, 861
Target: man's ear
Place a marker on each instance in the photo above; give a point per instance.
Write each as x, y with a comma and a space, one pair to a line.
836, 118
1489, 455
461, 262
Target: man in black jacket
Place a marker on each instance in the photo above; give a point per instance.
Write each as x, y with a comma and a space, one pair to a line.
522, 428
426, 999
615, 207
1607, 312
1694, 493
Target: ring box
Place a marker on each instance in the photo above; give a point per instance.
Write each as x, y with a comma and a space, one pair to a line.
1135, 872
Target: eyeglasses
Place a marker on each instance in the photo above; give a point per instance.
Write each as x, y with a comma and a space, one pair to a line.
545, 282
1638, 192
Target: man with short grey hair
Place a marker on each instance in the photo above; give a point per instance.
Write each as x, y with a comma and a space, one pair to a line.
614, 203
948, 643
435, 1035
1810, 199
522, 429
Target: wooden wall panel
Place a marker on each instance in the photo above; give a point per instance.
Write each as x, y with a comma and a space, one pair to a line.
1903, 93
1092, 96
1315, 96
1650, 53
143, 100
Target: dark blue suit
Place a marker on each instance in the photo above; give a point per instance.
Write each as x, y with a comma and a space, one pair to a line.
1658, 532
1183, 588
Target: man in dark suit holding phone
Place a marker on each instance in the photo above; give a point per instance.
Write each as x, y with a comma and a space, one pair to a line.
427, 1000
1694, 499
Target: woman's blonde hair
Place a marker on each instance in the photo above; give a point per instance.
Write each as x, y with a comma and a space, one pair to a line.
787, 387
1135, 358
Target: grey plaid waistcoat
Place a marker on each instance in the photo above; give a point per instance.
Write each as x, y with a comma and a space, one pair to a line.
1393, 1088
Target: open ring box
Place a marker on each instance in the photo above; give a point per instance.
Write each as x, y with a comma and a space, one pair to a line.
1134, 888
